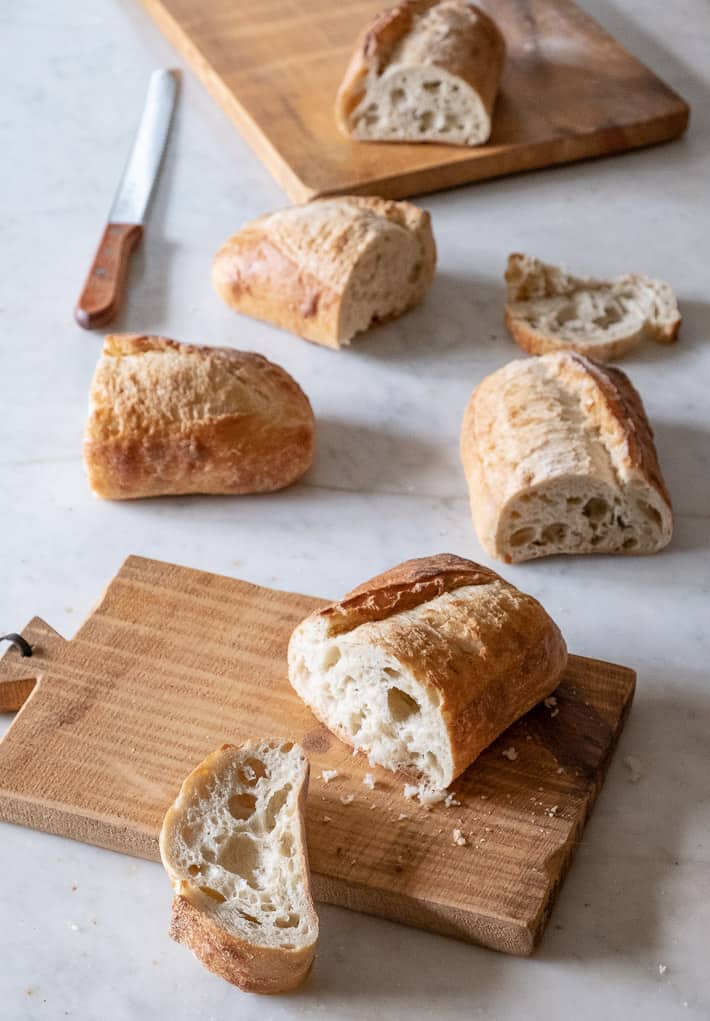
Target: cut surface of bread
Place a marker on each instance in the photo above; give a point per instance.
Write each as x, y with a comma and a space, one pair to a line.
547, 310
559, 458
424, 666
331, 268
167, 418
233, 846
424, 71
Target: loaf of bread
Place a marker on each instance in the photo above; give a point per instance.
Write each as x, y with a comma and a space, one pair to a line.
424, 71
547, 310
233, 846
559, 458
173, 418
329, 269
422, 667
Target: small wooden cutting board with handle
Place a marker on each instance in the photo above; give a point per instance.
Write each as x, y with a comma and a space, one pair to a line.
173, 662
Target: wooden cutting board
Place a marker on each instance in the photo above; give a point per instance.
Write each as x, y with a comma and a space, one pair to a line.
569, 92
173, 662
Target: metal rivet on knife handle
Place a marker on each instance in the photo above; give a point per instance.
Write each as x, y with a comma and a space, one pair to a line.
19, 642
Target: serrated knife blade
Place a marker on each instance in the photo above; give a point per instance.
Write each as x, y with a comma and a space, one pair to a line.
100, 298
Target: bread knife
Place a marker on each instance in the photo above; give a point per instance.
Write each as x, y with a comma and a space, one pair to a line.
101, 296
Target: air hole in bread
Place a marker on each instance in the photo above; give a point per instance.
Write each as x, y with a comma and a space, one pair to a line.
286, 747
248, 918
595, 510
276, 803
572, 501
397, 96
240, 856
629, 543
401, 705
650, 512
242, 806
213, 894
555, 532
424, 121
331, 657
522, 536
415, 271
286, 844
251, 771
432, 86
194, 870
290, 922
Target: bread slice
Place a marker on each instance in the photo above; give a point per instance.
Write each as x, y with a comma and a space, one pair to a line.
559, 458
170, 418
547, 310
424, 71
234, 848
422, 667
329, 269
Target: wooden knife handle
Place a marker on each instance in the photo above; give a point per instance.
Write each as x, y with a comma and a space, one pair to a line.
100, 299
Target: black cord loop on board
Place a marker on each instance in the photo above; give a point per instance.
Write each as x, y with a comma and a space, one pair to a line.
19, 642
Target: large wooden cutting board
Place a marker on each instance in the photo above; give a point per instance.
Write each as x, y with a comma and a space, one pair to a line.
569, 92
173, 662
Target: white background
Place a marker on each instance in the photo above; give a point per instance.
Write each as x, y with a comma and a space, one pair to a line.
83, 931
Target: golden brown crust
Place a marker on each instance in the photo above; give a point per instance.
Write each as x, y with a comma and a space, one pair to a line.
254, 969
169, 418
380, 38
402, 588
624, 403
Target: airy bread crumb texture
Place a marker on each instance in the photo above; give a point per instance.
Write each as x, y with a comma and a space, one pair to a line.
233, 846
548, 309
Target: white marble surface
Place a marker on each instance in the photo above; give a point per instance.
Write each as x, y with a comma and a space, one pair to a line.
83, 931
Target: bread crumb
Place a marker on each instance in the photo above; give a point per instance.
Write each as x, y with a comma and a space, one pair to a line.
561, 769
554, 713
402, 815
510, 754
550, 702
662, 969
410, 790
635, 768
552, 811
326, 818
427, 795
329, 774
347, 799
459, 838
450, 801
369, 781
373, 807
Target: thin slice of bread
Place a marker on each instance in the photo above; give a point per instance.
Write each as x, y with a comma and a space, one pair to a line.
423, 71
548, 309
233, 846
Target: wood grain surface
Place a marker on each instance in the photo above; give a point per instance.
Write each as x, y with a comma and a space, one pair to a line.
569, 92
102, 295
173, 662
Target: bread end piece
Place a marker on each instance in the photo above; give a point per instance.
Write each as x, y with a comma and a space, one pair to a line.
423, 71
559, 458
548, 309
233, 845
331, 268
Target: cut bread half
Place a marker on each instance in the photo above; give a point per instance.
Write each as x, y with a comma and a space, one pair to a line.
423, 71
422, 667
548, 309
331, 268
233, 846
559, 458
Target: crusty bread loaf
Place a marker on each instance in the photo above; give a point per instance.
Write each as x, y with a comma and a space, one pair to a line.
547, 310
559, 458
422, 667
233, 845
173, 418
423, 71
329, 269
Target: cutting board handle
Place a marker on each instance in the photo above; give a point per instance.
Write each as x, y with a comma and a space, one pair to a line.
19, 672
101, 297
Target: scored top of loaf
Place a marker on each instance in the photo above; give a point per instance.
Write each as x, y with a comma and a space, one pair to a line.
402, 588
